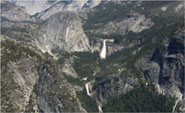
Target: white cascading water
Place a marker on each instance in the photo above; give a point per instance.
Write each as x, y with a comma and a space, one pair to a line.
103, 51
102, 56
100, 109
87, 89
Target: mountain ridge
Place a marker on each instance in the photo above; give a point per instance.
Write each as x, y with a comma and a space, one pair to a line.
54, 65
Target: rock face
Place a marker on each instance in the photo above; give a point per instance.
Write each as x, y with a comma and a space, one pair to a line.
46, 8
33, 83
23, 80
172, 63
114, 87
67, 6
135, 23
65, 97
151, 70
38, 5
13, 12
68, 68
62, 31
166, 67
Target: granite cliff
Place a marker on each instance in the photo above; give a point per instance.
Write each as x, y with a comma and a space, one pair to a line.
50, 61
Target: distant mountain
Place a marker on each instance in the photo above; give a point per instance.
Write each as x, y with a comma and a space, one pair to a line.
51, 59
67, 6
46, 8
14, 12
32, 6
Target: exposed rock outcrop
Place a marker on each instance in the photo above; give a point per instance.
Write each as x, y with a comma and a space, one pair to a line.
65, 98
68, 69
62, 31
67, 6
13, 12
166, 67
135, 23
33, 82
23, 78
114, 87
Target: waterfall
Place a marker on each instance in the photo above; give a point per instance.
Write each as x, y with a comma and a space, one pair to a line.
103, 51
87, 89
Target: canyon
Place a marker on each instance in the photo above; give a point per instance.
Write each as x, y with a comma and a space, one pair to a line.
92, 56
